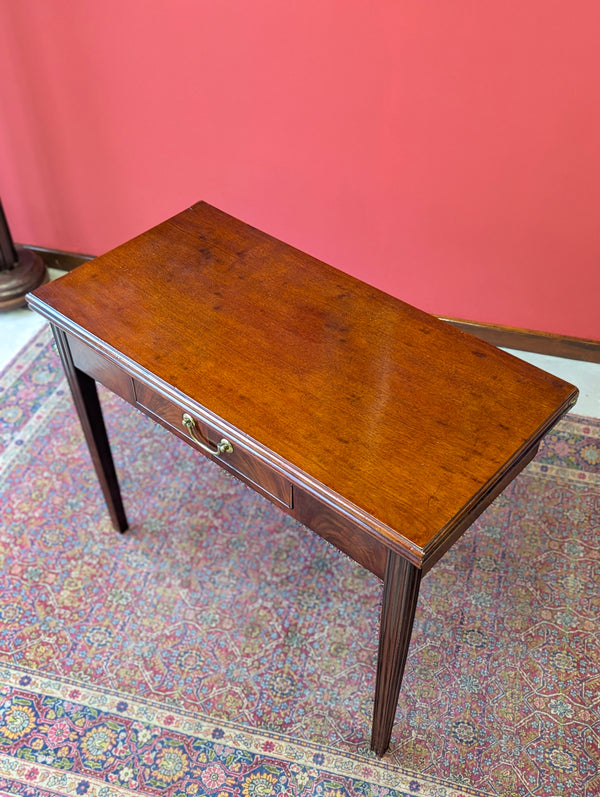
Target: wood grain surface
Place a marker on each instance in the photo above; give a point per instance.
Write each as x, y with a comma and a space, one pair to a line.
401, 415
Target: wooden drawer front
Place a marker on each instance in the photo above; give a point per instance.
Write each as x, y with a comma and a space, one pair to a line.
248, 467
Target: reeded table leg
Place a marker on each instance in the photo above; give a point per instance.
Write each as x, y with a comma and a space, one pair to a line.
400, 593
87, 404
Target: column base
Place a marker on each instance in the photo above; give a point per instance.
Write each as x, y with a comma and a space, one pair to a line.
26, 275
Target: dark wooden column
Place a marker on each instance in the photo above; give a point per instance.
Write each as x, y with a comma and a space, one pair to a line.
21, 270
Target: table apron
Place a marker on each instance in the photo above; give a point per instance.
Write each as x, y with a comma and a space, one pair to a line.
325, 519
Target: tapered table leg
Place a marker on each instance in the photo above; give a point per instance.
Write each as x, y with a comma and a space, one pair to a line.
87, 404
400, 593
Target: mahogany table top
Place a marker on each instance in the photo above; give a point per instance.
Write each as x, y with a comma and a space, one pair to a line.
388, 412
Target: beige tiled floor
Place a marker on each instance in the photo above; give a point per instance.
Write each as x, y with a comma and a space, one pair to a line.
586, 376
18, 326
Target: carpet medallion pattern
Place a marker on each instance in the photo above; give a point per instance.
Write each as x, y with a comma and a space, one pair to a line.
220, 648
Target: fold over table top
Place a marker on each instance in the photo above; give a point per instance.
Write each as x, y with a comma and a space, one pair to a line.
401, 415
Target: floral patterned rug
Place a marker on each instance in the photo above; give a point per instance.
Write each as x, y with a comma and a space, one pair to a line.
220, 648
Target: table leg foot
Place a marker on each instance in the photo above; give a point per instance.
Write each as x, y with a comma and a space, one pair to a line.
87, 404
400, 594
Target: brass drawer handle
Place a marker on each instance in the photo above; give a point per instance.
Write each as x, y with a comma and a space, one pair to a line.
224, 447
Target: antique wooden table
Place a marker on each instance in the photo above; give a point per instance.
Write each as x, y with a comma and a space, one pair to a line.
383, 429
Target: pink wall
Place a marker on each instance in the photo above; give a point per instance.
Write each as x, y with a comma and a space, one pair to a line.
447, 152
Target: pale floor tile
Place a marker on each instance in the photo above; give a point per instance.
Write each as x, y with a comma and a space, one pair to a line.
19, 326
16, 328
584, 375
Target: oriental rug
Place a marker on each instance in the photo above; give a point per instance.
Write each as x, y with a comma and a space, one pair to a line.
220, 648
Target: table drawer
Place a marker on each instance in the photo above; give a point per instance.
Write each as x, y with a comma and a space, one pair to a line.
234, 457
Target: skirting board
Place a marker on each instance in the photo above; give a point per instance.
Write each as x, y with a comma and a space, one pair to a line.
531, 340
55, 258
505, 337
